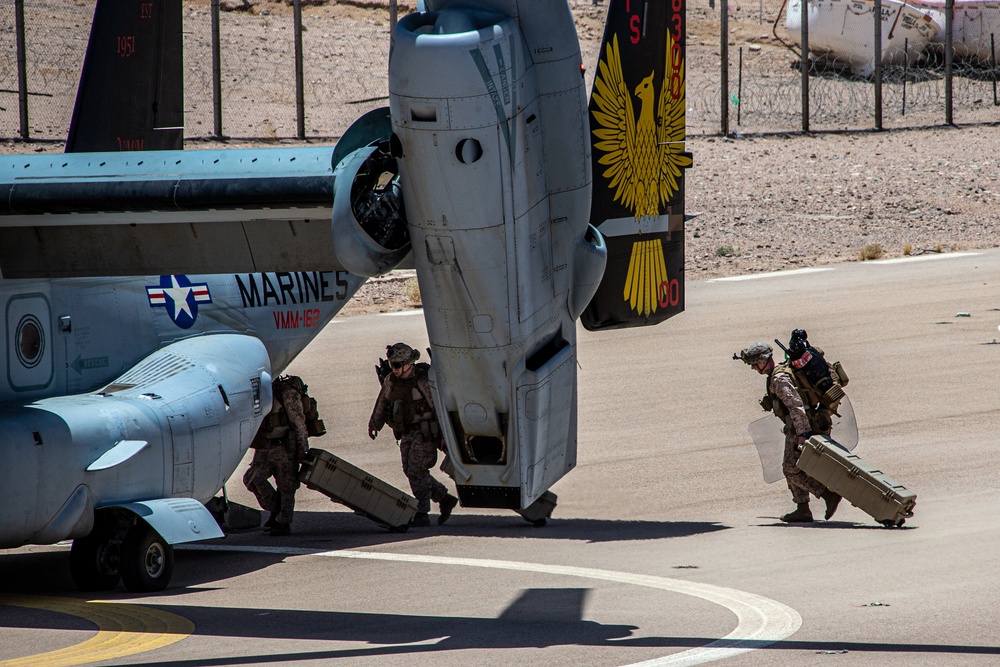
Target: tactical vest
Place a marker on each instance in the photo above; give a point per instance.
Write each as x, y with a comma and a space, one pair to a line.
410, 409
819, 407
276, 425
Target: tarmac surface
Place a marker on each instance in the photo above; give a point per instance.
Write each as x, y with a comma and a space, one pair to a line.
665, 548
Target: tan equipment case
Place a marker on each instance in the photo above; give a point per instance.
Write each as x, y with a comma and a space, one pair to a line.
862, 484
351, 486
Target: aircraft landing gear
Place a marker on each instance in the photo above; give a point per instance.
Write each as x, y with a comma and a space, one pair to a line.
121, 547
147, 561
93, 559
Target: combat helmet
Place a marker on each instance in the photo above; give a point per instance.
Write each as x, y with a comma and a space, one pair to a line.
401, 353
757, 353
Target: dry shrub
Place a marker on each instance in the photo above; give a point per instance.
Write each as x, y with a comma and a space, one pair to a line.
907, 248
871, 251
412, 291
727, 251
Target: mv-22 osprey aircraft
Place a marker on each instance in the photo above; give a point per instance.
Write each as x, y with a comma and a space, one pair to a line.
151, 294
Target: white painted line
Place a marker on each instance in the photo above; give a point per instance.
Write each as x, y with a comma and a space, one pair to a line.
760, 620
772, 274
418, 311
924, 258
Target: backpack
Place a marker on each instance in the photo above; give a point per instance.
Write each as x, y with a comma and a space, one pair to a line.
314, 425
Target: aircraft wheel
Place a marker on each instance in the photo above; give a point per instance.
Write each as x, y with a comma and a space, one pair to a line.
93, 561
147, 561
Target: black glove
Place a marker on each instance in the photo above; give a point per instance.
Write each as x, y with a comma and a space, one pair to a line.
383, 370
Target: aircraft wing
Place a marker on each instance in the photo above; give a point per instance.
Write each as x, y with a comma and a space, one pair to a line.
205, 211
108, 214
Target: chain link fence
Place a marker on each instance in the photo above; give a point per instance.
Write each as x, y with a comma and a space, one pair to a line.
345, 52
765, 83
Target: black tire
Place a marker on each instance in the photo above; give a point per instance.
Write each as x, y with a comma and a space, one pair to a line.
147, 561
93, 561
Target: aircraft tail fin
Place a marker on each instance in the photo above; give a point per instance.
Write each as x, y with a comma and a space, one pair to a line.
131, 93
637, 124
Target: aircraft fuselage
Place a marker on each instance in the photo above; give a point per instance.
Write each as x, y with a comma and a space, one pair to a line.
65, 340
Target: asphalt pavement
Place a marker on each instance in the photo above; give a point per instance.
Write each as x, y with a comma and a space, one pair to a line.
665, 547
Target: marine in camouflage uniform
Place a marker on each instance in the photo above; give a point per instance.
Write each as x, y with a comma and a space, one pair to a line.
406, 405
785, 397
280, 445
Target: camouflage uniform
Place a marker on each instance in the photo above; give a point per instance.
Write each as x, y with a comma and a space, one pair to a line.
407, 406
278, 450
788, 399
781, 387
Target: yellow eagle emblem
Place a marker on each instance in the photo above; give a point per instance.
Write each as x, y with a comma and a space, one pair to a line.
644, 159
643, 153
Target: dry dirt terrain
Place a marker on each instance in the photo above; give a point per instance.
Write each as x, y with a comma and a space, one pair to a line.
778, 201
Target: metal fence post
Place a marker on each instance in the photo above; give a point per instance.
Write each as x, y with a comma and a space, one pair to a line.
993, 68
949, 12
300, 103
878, 62
22, 69
724, 65
393, 14
805, 65
216, 71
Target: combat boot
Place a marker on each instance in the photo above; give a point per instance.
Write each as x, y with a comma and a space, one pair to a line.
800, 515
271, 522
420, 519
832, 500
447, 505
280, 529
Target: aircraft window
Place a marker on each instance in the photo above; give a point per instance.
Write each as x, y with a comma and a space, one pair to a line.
468, 151
29, 341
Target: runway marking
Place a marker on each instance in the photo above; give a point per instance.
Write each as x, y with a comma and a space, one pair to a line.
760, 620
924, 258
771, 274
418, 311
122, 630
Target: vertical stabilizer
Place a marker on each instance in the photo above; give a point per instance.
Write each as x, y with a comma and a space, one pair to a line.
131, 94
637, 127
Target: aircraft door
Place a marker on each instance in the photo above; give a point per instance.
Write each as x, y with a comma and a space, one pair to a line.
29, 342
197, 449
208, 477
183, 455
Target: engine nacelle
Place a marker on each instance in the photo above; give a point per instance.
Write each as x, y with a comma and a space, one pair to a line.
369, 223
490, 111
174, 426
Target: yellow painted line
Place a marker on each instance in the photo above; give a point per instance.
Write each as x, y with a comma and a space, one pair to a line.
122, 630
